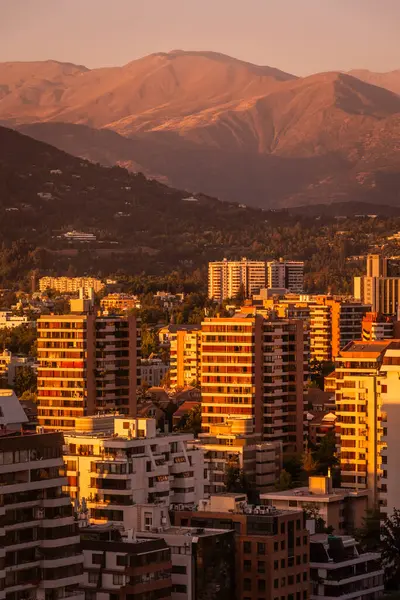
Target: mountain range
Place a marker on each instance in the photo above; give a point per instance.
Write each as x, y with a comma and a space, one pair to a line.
207, 122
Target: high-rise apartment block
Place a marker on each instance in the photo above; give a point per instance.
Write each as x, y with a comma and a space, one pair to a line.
380, 287
339, 569
115, 463
228, 279
87, 364
122, 568
379, 327
185, 355
40, 553
70, 285
254, 367
272, 546
359, 414
286, 274
334, 322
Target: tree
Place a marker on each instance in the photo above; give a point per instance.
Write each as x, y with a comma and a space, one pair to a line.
390, 539
284, 482
369, 533
25, 380
310, 465
312, 512
235, 479
325, 455
191, 422
149, 342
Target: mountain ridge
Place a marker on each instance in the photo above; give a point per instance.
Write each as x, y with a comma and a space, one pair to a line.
207, 121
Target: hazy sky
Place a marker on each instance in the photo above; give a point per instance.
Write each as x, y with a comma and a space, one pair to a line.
299, 36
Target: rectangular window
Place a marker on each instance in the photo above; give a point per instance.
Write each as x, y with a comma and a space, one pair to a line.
179, 569
93, 577
118, 579
97, 559
276, 583
260, 548
121, 560
247, 547
247, 565
247, 585
261, 566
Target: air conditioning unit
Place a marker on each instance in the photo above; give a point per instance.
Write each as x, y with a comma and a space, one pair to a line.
256, 511
181, 507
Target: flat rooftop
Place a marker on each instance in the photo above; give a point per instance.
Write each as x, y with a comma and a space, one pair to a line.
303, 492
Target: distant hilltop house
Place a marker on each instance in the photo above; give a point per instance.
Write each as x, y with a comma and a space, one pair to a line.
70, 285
9, 320
79, 236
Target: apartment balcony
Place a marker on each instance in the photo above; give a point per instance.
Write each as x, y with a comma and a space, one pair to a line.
22, 566
179, 467
49, 584
183, 482
34, 485
57, 521
265, 468
53, 563
186, 498
62, 541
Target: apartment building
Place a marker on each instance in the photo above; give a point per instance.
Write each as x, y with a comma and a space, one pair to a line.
119, 303
122, 568
70, 285
334, 322
272, 546
338, 568
40, 556
153, 371
11, 364
379, 327
185, 355
87, 364
228, 279
114, 463
203, 559
8, 320
342, 509
234, 445
389, 387
359, 414
380, 287
254, 367
287, 274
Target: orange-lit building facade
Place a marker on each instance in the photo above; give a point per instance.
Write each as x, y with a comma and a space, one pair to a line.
87, 364
253, 367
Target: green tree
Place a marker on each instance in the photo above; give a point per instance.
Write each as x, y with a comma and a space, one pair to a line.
312, 512
25, 381
285, 481
325, 455
235, 479
191, 422
390, 540
369, 533
149, 341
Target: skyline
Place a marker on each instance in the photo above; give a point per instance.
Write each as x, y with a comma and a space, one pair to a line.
106, 34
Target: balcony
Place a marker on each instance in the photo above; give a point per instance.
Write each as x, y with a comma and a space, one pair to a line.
62, 541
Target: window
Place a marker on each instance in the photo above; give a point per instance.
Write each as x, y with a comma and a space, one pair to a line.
305, 595
305, 540
179, 588
261, 566
298, 578
282, 544
118, 579
276, 564
283, 565
179, 569
276, 583
247, 565
298, 541
282, 527
93, 577
121, 560
298, 524
247, 547
305, 576
283, 581
148, 521
261, 585
126, 425
247, 585
298, 559
290, 597
260, 548
276, 546
97, 559
305, 559
290, 579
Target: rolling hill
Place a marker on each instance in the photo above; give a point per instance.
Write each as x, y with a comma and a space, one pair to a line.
205, 121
